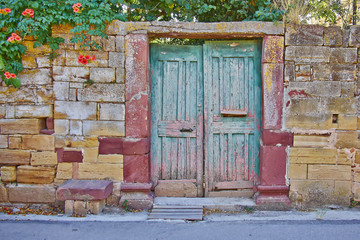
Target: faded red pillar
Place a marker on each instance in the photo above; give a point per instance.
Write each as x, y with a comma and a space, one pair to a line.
273, 189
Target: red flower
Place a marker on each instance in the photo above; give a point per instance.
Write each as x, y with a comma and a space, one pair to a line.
87, 57
10, 39
78, 4
76, 9
17, 38
12, 75
8, 10
29, 12
93, 58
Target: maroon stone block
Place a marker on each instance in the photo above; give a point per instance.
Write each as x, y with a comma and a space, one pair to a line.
47, 131
136, 187
69, 156
274, 137
272, 165
273, 194
137, 119
125, 146
50, 123
85, 190
273, 90
273, 49
136, 168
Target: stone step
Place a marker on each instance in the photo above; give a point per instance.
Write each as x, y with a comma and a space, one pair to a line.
84, 190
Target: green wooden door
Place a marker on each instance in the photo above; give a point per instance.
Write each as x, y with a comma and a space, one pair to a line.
207, 99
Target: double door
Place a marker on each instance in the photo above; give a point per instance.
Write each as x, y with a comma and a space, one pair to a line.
205, 115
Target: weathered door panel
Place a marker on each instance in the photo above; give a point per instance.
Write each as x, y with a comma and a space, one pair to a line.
177, 113
232, 86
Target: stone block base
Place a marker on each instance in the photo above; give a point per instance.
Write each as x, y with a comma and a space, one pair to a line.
273, 198
176, 188
136, 196
82, 208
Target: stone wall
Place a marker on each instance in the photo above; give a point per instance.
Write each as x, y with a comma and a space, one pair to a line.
321, 109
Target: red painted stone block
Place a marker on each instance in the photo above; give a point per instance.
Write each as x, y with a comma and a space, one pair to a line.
47, 131
273, 90
274, 137
137, 119
125, 146
272, 165
136, 187
50, 123
69, 156
136, 168
85, 190
273, 49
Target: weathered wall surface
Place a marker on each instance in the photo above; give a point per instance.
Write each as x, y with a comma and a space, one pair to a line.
321, 106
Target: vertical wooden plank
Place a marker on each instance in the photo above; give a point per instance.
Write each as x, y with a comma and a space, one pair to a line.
247, 97
221, 87
187, 91
246, 158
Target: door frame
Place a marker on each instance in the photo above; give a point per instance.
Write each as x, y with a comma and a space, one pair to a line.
272, 187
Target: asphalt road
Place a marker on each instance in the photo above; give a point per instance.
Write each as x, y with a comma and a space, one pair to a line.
49, 230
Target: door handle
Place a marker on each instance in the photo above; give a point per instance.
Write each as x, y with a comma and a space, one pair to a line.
186, 130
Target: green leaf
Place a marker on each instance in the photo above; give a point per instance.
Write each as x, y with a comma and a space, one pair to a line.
16, 83
2, 66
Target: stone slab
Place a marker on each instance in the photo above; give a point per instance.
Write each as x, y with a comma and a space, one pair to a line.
86, 190
37, 175
21, 126
14, 157
26, 193
274, 137
272, 165
125, 146
175, 188
137, 168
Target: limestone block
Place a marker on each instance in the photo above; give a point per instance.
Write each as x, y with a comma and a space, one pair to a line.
64, 171
73, 94
334, 72
356, 191
357, 177
335, 172
120, 44
311, 141
101, 58
102, 75
304, 34
2, 111
61, 126
106, 44
112, 111
14, 157
35, 76
15, 142
29, 61
342, 191
307, 54
298, 171
43, 158
315, 89
347, 122
61, 90
101, 171
103, 93
343, 55
120, 75
341, 105
104, 128
116, 59
38, 142
3, 193
354, 40
333, 36
69, 207
60, 59
303, 72
74, 110
176, 189
39, 175
347, 139
3, 141
75, 127
8, 174
96, 207
111, 158
43, 62
31, 50
348, 89
21, 126
33, 111
91, 154
71, 74
81, 208
9, 111
26, 193
312, 156
27, 94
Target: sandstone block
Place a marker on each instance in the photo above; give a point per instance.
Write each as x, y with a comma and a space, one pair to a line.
8, 174
354, 36
91, 155
342, 191
116, 59
315, 89
303, 34
39, 175
101, 58
75, 110
347, 122
289, 72
75, 127
348, 89
101, 171
81, 208
21, 126
3, 193
102, 75
103, 93
22, 193
333, 36
343, 55
357, 177
334, 72
104, 128
307, 54
111, 158
64, 171
96, 207
61, 90
14, 157
312, 156
35, 76
61, 126
81, 142
33, 111
38, 142
311, 141
27, 94
348, 139
106, 44
120, 75
298, 171
356, 191
31, 50
29, 61
168, 188
71, 74
3, 141
112, 111
341, 105
69, 207
303, 72
334, 172
43, 158
120, 43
